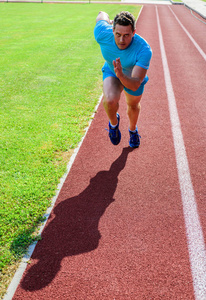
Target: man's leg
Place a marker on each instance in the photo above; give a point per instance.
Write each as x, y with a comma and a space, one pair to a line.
133, 109
112, 89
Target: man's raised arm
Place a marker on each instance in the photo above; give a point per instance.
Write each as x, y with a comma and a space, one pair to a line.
132, 82
103, 16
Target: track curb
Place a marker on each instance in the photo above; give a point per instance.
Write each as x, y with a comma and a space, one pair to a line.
26, 258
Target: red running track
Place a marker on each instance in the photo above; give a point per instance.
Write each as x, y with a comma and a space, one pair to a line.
117, 230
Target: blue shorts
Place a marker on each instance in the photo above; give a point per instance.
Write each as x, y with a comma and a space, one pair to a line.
108, 73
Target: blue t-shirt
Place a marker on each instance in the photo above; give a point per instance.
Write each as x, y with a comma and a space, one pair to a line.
138, 53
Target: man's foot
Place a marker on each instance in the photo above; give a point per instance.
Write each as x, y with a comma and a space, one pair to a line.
114, 133
134, 141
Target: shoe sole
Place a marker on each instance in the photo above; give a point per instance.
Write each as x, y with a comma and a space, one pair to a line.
133, 146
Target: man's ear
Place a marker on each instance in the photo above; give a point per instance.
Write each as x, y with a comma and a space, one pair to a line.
134, 32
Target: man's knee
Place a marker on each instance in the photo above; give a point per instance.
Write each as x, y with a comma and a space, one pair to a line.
134, 106
111, 98
112, 89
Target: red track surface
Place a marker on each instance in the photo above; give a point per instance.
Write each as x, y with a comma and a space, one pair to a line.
117, 230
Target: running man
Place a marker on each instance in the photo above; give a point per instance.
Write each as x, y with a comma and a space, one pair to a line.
127, 58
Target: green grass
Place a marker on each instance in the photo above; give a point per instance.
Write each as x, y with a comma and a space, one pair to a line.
50, 79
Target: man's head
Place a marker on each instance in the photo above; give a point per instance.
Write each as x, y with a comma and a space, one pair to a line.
123, 29
124, 18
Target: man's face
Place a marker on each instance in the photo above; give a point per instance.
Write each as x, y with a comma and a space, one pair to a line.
123, 36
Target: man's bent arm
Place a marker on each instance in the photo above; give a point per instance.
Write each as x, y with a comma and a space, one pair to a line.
103, 16
133, 82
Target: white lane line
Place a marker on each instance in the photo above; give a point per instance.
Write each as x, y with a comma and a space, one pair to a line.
22, 267
139, 13
195, 238
189, 35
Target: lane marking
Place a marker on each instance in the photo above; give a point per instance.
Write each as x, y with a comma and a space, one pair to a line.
139, 14
195, 238
22, 267
190, 37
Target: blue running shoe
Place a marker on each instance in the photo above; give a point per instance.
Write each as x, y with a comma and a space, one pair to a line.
134, 141
114, 133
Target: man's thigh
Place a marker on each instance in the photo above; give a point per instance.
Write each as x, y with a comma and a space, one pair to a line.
132, 100
112, 88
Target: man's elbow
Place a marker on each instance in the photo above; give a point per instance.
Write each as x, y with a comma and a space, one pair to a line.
136, 85
102, 16
98, 18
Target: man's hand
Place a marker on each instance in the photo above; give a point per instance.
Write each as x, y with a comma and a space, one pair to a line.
118, 68
131, 82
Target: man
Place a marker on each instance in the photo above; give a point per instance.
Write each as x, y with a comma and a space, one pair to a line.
127, 57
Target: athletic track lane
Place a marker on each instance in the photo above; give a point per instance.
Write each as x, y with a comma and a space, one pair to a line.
117, 230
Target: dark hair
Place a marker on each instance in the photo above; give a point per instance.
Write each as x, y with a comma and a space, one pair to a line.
124, 18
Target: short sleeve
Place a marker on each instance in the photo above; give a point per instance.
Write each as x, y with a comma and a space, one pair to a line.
144, 57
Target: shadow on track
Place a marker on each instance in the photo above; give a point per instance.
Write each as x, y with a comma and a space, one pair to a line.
74, 228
